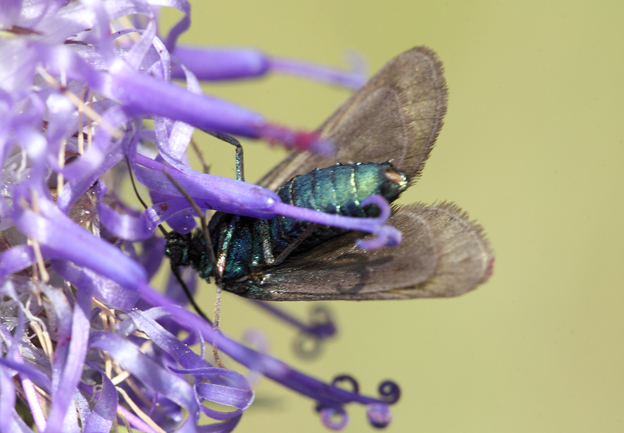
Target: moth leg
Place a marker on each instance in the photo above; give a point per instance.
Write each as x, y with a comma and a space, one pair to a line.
160, 227
175, 270
240, 175
204, 226
267, 247
293, 246
225, 237
213, 264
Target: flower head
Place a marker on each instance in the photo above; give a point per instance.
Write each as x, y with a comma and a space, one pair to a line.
81, 327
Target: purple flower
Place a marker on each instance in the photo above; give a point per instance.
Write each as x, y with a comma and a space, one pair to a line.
86, 341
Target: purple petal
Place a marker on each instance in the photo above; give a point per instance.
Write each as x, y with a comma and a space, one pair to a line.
213, 63
104, 412
353, 79
15, 259
213, 192
267, 365
29, 389
238, 398
7, 396
241, 198
70, 352
69, 241
220, 63
124, 226
166, 341
226, 387
103, 289
320, 329
146, 370
36, 375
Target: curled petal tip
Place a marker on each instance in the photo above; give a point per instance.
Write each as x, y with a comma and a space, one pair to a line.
389, 391
378, 415
387, 236
334, 418
381, 203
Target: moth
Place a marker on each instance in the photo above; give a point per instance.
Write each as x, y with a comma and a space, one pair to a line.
394, 120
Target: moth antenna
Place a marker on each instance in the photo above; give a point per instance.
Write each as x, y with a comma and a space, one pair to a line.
200, 155
202, 219
174, 269
213, 263
189, 295
162, 229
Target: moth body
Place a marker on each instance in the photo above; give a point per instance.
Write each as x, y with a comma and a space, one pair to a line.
244, 245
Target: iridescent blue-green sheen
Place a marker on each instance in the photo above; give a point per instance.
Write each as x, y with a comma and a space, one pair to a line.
242, 243
335, 190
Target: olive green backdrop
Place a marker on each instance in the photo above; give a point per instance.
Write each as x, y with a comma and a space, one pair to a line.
532, 147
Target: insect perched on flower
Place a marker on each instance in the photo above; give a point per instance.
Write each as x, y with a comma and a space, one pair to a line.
391, 123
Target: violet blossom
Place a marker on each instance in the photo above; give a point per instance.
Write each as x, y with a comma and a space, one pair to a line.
87, 343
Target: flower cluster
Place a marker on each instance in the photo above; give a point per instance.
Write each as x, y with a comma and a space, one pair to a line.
86, 342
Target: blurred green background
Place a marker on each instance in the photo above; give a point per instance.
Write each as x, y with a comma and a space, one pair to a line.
531, 147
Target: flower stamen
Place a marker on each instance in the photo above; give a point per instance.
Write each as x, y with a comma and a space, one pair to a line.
120, 377
90, 112
80, 113
45, 277
44, 338
138, 411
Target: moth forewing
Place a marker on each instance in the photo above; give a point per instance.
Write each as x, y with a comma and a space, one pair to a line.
395, 117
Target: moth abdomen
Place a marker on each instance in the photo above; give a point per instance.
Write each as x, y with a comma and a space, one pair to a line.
335, 190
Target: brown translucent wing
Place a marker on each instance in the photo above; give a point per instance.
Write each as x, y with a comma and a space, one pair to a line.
395, 117
442, 254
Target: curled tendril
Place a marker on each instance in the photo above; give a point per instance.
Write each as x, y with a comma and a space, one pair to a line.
355, 387
389, 391
328, 415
